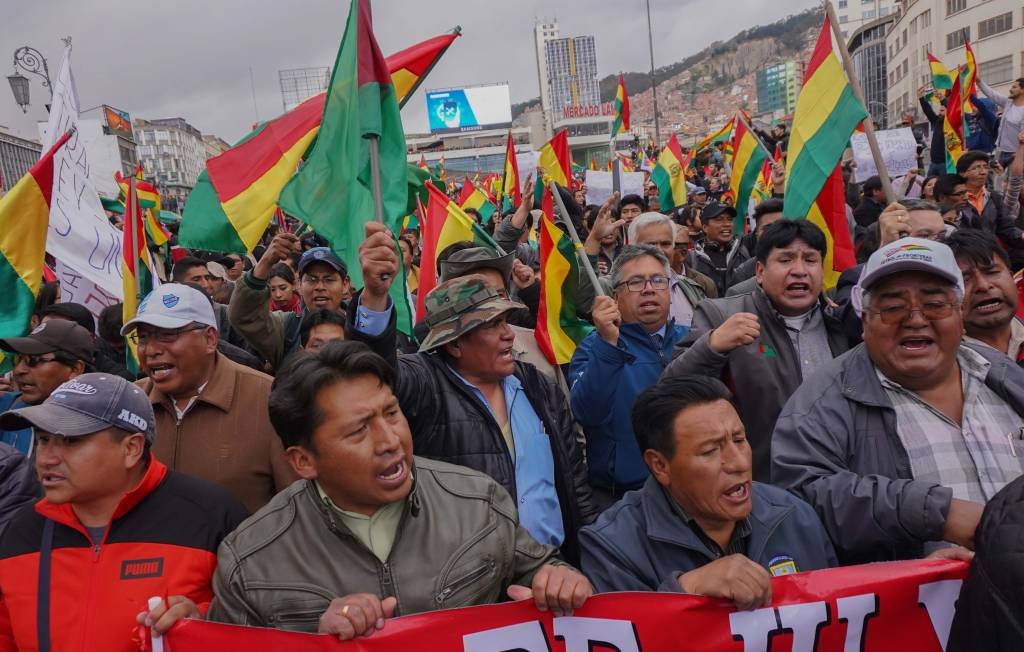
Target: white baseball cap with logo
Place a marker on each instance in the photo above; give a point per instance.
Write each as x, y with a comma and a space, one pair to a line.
907, 255
173, 305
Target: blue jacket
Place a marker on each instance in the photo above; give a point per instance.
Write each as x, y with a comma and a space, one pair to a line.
605, 381
983, 125
641, 544
20, 439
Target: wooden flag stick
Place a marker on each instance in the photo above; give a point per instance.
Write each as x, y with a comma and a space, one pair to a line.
869, 126
584, 259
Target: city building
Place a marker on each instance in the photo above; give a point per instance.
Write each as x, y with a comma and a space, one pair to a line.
995, 29
110, 144
868, 51
300, 84
855, 14
214, 145
17, 155
544, 31
478, 151
173, 154
572, 73
777, 88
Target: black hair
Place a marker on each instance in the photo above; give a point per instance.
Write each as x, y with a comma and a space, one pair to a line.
635, 200
871, 184
784, 232
110, 323
475, 214
773, 205
412, 250
655, 410
184, 264
47, 296
75, 312
293, 395
925, 183
946, 184
447, 252
319, 317
970, 158
976, 246
283, 271
590, 212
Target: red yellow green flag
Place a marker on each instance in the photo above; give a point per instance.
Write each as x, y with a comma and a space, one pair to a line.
410, 66
953, 126
718, 136
443, 225
510, 190
559, 329
670, 176
942, 79
137, 277
473, 197
621, 123
747, 161
827, 113
554, 158
968, 79
24, 218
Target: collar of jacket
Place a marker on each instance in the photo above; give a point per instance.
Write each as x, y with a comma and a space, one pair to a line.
413, 506
65, 515
766, 307
637, 335
219, 391
663, 524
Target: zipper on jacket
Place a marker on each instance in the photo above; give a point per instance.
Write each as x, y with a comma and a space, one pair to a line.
464, 581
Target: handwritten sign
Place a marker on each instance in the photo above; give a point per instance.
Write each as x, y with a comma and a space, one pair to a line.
80, 235
899, 152
75, 288
599, 185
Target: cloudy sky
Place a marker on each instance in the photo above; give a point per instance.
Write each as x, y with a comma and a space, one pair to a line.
192, 58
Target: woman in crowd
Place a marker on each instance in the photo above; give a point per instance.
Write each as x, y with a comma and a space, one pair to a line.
282, 289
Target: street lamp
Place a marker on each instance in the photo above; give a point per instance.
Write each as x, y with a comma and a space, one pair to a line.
31, 61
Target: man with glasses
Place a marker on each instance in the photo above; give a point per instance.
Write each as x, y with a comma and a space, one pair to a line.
626, 353
323, 285
211, 413
764, 342
54, 352
899, 444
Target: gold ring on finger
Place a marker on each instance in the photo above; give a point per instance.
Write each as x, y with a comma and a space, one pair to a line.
344, 610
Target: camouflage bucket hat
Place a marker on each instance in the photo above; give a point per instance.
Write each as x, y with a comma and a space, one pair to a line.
458, 306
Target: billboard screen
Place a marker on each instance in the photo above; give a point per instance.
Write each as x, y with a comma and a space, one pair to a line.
118, 122
476, 108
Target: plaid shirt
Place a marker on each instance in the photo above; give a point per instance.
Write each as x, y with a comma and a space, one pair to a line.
975, 458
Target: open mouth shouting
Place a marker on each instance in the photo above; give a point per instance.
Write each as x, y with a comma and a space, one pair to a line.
393, 475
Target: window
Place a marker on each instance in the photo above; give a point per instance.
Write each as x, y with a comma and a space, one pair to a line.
997, 25
842, 19
845, 34
904, 41
926, 18
997, 71
953, 6
885, 11
957, 38
867, 13
842, 4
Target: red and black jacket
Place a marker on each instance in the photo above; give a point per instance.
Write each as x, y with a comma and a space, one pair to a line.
162, 541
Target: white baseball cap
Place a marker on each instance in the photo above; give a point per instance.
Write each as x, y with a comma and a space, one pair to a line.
907, 255
173, 305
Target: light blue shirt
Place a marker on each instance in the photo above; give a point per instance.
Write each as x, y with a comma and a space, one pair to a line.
372, 322
539, 510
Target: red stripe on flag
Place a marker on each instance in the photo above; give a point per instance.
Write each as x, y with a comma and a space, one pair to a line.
822, 49
42, 171
832, 203
418, 58
372, 67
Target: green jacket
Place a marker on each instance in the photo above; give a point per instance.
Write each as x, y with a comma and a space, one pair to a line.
457, 544
273, 334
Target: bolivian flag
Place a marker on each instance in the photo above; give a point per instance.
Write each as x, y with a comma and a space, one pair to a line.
444, 224
24, 218
941, 77
149, 200
747, 162
953, 125
670, 174
827, 113
473, 197
554, 158
137, 278
559, 329
512, 195
968, 79
621, 123
718, 136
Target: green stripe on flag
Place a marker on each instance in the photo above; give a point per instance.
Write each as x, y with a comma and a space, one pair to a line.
568, 316
204, 224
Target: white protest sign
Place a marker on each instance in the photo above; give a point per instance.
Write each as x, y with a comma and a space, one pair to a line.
899, 152
599, 185
80, 236
75, 288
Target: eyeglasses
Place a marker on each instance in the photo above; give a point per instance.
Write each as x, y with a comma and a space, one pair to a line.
35, 360
897, 314
329, 279
163, 336
638, 284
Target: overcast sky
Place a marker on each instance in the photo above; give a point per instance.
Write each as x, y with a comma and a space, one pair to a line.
191, 58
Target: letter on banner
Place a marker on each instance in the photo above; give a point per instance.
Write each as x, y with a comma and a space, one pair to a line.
528, 637
583, 634
939, 600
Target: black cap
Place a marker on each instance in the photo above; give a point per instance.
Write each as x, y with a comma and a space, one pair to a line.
54, 335
716, 208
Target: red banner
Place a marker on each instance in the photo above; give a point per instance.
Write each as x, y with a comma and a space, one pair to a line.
904, 606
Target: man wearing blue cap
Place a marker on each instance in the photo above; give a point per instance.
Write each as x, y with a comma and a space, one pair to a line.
115, 528
323, 284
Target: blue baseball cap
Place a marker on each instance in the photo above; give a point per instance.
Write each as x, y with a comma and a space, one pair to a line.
322, 255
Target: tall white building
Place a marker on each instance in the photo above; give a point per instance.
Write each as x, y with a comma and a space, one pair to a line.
174, 154
544, 31
995, 29
854, 14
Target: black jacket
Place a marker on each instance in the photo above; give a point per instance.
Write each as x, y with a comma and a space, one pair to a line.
867, 212
937, 151
452, 425
988, 614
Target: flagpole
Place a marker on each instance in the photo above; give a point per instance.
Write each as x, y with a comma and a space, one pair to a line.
869, 125
764, 148
378, 195
457, 30
134, 199
575, 238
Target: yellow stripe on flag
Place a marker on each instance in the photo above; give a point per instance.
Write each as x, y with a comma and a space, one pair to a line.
556, 268
815, 103
23, 231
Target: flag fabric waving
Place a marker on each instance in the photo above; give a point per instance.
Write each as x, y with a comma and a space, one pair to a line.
511, 193
670, 174
554, 158
149, 199
968, 79
136, 273
332, 192
718, 136
942, 79
410, 66
953, 125
827, 113
621, 123
445, 224
747, 162
559, 329
473, 197
24, 219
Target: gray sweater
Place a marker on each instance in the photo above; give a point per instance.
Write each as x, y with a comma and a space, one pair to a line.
1012, 122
